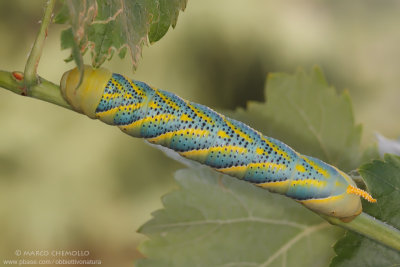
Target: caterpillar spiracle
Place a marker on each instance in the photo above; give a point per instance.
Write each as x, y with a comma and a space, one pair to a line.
198, 133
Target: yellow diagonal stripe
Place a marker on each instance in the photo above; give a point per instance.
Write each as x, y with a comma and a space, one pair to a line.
199, 113
185, 132
308, 182
267, 165
110, 95
107, 112
135, 88
161, 117
315, 166
223, 134
278, 187
300, 168
261, 151
222, 149
167, 100
185, 117
153, 105
238, 131
275, 148
237, 171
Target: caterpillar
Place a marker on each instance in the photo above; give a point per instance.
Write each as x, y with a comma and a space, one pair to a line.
198, 133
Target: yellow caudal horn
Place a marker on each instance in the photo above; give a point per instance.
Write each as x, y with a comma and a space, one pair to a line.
357, 191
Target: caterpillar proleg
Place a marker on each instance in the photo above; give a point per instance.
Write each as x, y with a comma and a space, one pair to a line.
201, 134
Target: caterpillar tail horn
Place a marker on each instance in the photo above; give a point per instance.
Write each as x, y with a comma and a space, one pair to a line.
361, 193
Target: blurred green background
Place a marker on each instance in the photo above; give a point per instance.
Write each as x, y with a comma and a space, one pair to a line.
68, 182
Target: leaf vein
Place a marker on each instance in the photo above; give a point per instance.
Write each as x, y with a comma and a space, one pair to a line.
283, 249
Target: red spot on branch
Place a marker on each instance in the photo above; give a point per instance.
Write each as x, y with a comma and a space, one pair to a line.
19, 76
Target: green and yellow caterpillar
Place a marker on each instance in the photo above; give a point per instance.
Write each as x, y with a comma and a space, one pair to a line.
198, 133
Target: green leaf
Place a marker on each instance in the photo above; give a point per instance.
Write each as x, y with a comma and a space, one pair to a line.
67, 41
80, 15
383, 180
115, 26
166, 15
62, 15
370, 153
216, 220
306, 113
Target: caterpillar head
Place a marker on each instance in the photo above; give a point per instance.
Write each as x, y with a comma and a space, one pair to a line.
85, 97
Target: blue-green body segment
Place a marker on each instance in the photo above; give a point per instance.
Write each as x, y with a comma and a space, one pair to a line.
197, 132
